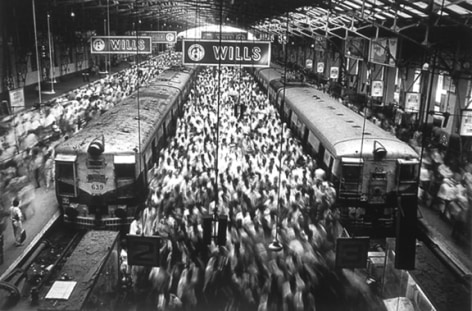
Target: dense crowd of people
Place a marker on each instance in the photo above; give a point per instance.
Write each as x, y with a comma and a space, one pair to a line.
236, 159
27, 138
266, 186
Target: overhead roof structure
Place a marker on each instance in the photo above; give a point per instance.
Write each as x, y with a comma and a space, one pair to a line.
306, 17
425, 23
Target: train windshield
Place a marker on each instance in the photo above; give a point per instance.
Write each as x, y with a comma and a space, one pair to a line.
351, 169
65, 175
124, 166
408, 170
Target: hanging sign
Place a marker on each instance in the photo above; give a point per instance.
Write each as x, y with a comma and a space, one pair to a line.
334, 72
355, 47
309, 63
160, 36
17, 99
320, 67
228, 53
412, 102
120, 45
466, 123
143, 250
383, 51
377, 89
215, 35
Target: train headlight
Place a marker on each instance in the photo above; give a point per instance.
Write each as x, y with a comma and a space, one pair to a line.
97, 146
379, 150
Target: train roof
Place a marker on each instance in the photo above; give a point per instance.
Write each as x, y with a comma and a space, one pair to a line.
269, 74
119, 125
340, 129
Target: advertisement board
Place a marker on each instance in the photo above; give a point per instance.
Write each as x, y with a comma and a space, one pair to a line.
334, 72
308, 63
377, 88
355, 48
412, 102
383, 51
17, 99
160, 36
466, 123
215, 35
228, 53
320, 67
120, 45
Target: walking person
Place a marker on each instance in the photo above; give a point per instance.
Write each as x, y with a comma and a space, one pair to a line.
16, 217
49, 170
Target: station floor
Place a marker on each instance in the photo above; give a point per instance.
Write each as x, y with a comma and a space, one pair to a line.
44, 208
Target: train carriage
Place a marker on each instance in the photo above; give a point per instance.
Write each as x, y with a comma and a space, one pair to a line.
102, 171
369, 167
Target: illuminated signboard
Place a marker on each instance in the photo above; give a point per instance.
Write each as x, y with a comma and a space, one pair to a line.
228, 53
120, 45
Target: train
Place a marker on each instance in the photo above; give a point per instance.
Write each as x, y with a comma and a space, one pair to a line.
102, 172
374, 173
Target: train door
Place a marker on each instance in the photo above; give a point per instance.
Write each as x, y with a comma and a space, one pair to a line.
304, 137
350, 181
328, 160
125, 175
161, 135
66, 176
407, 176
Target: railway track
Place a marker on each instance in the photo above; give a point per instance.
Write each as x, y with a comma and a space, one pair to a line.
38, 267
446, 282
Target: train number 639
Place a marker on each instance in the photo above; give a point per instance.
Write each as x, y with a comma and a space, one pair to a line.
97, 186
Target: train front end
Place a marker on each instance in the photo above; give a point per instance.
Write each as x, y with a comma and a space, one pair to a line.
372, 186
97, 189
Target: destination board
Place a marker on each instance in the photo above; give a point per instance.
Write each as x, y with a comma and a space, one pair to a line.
228, 53
120, 45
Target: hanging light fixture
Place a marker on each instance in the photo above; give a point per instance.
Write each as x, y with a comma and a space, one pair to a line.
275, 245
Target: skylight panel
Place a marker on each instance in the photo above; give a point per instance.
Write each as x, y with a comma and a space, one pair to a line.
403, 14
416, 12
353, 5
458, 9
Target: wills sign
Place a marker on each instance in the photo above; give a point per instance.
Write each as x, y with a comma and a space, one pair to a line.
121, 45
228, 53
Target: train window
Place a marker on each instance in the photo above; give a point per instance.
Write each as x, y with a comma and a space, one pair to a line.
124, 166
65, 174
408, 170
351, 172
351, 169
65, 166
124, 171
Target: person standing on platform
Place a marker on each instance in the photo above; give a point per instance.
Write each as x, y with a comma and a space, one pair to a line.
49, 170
16, 217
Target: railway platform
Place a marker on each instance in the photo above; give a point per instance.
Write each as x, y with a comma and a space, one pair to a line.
43, 211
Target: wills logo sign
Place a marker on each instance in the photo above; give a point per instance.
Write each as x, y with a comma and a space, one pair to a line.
121, 45
228, 53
